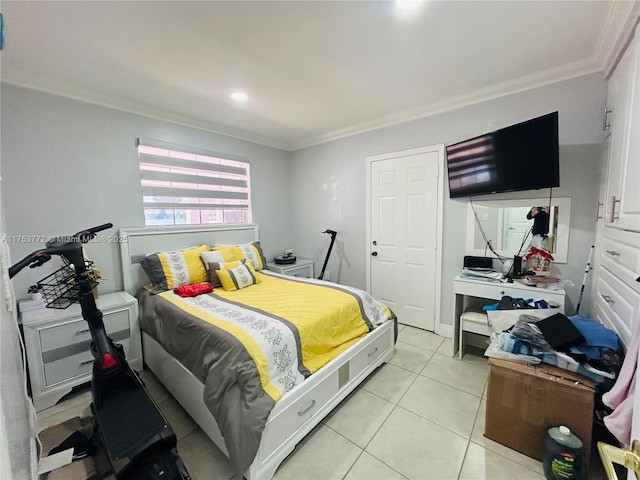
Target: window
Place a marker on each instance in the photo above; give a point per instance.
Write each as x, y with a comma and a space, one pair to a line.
187, 186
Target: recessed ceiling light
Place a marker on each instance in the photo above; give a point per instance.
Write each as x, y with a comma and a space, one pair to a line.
408, 4
240, 96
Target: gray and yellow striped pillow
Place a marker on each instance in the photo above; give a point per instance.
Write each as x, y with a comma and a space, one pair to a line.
251, 251
168, 270
239, 277
214, 280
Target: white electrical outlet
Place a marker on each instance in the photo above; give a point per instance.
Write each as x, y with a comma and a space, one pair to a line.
327, 276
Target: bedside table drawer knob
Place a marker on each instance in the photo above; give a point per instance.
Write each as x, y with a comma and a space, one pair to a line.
80, 332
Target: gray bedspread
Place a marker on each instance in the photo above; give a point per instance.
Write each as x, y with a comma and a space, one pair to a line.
232, 389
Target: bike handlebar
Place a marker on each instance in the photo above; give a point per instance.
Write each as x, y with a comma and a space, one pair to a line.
57, 246
85, 235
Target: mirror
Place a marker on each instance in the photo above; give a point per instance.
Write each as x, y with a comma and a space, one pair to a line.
505, 225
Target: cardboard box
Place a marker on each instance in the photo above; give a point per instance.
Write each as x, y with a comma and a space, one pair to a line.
524, 401
92, 467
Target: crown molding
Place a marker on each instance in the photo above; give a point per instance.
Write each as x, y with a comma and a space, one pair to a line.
524, 83
146, 110
625, 31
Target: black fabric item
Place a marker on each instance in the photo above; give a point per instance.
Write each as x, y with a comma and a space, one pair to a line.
560, 332
540, 222
508, 303
81, 445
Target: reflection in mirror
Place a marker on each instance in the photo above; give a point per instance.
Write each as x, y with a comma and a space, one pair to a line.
510, 226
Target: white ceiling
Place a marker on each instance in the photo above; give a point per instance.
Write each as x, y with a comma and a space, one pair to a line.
314, 70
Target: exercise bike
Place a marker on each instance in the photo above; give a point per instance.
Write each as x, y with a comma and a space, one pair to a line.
136, 438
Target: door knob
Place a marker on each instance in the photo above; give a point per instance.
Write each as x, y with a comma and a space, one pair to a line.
374, 254
629, 458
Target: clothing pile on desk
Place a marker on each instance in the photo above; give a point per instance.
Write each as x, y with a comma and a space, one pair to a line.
573, 343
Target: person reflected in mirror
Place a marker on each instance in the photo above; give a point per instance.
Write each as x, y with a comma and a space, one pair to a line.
540, 229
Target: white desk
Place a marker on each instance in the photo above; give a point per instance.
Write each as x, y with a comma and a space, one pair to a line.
476, 293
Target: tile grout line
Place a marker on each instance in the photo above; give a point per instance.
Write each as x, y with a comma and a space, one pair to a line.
475, 420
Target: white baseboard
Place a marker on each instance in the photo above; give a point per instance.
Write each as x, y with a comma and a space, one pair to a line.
445, 330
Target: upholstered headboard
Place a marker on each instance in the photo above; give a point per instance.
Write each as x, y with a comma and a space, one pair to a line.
139, 241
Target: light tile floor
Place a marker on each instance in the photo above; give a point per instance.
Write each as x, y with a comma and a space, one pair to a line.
419, 417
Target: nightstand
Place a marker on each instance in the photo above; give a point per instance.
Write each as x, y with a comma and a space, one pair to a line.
58, 344
302, 268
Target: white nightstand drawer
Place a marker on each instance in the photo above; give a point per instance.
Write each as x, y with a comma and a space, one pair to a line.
70, 367
302, 268
78, 331
298, 272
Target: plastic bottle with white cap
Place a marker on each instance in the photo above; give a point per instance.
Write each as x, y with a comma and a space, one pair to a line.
563, 457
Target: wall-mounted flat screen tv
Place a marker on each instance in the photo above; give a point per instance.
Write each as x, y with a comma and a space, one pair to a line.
520, 157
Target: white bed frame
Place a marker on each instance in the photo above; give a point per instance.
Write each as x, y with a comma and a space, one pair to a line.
301, 409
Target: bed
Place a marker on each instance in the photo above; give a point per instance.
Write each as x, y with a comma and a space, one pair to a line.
234, 358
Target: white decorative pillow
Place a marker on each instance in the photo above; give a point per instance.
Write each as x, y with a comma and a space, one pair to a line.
211, 256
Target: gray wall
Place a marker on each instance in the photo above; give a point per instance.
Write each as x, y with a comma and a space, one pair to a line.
580, 103
69, 165
18, 452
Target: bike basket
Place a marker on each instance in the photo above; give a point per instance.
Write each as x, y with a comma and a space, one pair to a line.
60, 288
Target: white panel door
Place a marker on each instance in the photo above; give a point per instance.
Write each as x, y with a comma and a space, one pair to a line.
629, 211
516, 227
403, 208
623, 195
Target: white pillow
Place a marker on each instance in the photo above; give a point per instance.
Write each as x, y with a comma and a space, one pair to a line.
211, 257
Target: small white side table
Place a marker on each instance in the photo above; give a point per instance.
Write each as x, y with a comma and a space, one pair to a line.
58, 343
302, 268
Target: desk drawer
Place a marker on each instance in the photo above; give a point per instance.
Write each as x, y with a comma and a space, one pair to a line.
495, 291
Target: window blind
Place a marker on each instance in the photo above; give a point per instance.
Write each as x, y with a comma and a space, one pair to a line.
185, 185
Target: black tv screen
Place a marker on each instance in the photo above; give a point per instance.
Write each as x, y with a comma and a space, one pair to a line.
520, 157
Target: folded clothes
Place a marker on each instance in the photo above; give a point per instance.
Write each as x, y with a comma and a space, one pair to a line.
527, 331
595, 333
510, 343
193, 290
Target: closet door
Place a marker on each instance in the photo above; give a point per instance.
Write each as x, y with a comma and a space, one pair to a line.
622, 202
